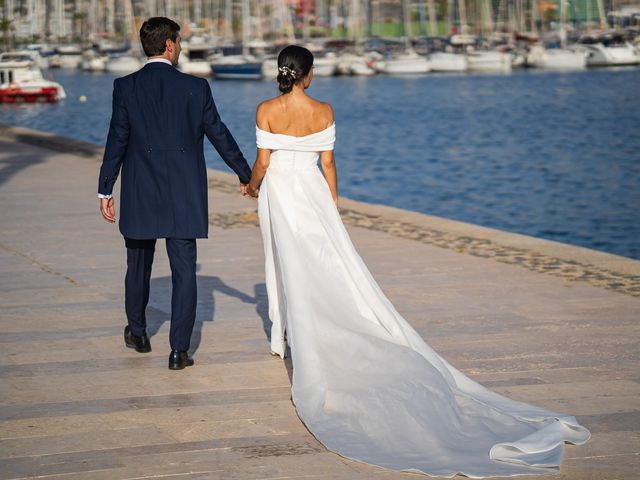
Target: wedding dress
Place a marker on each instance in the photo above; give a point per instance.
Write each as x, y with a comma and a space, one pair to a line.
364, 382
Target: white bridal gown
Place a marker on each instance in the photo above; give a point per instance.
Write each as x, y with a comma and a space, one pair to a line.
364, 382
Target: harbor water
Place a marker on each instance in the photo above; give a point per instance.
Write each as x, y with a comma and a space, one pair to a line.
553, 155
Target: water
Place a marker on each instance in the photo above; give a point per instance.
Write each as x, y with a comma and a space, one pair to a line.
553, 155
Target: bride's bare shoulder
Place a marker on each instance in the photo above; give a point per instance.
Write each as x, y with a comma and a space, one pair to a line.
325, 111
263, 112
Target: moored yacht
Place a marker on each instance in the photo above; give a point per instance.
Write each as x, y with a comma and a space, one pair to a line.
489, 61
236, 67
448, 62
557, 58
610, 50
408, 62
194, 58
68, 56
21, 81
123, 64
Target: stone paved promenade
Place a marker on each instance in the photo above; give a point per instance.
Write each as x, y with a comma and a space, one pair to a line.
538, 321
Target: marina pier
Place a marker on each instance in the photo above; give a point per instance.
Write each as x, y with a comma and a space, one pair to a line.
539, 321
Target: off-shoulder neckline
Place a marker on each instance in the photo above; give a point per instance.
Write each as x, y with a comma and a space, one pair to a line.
293, 136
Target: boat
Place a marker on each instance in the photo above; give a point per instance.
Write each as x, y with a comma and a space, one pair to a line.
21, 81
408, 62
609, 50
448, 62
561, 58
93, 61
353, 64
556, 58
123, 64
270, 68
236, 67
194, 57
68, 56
235, 62
489, 61
325, 66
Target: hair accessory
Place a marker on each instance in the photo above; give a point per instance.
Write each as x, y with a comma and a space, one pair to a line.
287, 72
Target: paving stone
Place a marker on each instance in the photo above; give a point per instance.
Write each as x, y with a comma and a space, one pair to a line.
542, 322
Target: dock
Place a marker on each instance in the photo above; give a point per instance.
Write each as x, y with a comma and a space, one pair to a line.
542, 322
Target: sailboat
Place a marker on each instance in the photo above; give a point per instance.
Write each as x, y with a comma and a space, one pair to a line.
127, 61
443, 61
408, 62
562, 58
230, 64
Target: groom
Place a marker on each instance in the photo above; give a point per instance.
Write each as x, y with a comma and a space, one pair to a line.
159, 119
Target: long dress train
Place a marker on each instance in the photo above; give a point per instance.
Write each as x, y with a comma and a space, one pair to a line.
364, 382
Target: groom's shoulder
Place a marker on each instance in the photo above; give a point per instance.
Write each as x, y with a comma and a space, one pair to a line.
191, 79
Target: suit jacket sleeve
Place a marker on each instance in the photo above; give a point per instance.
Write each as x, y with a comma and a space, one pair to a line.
117, 141
219, 135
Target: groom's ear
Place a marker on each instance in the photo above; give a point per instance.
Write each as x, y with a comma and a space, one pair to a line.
168, 45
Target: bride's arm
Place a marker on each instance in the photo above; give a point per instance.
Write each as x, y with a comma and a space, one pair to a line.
328, 163
262, 156
259, 169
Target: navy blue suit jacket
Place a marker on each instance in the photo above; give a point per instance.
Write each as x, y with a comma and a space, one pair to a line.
159, 120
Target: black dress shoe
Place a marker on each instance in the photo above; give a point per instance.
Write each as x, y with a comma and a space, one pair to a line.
139, 344
178, 360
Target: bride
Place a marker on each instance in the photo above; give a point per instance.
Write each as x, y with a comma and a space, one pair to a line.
364, 382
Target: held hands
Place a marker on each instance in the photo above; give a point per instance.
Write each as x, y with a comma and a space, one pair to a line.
248, 190
108, 210
252, 192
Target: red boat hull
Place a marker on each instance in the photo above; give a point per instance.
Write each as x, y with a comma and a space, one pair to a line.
17, 95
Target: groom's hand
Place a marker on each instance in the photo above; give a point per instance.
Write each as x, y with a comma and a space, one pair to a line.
243, 189
108, 209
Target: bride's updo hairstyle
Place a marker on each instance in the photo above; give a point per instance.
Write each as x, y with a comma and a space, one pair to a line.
294, 63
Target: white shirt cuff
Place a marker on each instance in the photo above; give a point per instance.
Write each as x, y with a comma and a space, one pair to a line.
100, 195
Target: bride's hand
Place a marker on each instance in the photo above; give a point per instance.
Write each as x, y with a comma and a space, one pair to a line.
252, 192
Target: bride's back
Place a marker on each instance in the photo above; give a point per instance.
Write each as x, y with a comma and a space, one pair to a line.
295, 115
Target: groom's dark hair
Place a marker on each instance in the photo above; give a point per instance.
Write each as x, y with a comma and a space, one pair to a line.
154, 34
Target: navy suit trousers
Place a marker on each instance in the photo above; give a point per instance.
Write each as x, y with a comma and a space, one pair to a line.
182, 259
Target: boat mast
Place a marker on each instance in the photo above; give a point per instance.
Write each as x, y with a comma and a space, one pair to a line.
603, 16
407, 24
433, 21
464, 28
228, 19
246, 26
563, 23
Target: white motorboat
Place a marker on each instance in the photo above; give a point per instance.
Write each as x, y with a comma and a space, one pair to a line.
489, 61
21, 81
326, 66
194, 57
610, 50
352, 64
93, 62
408, 62
557, 58
68, 56
270, 68
448, 62
123, 64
